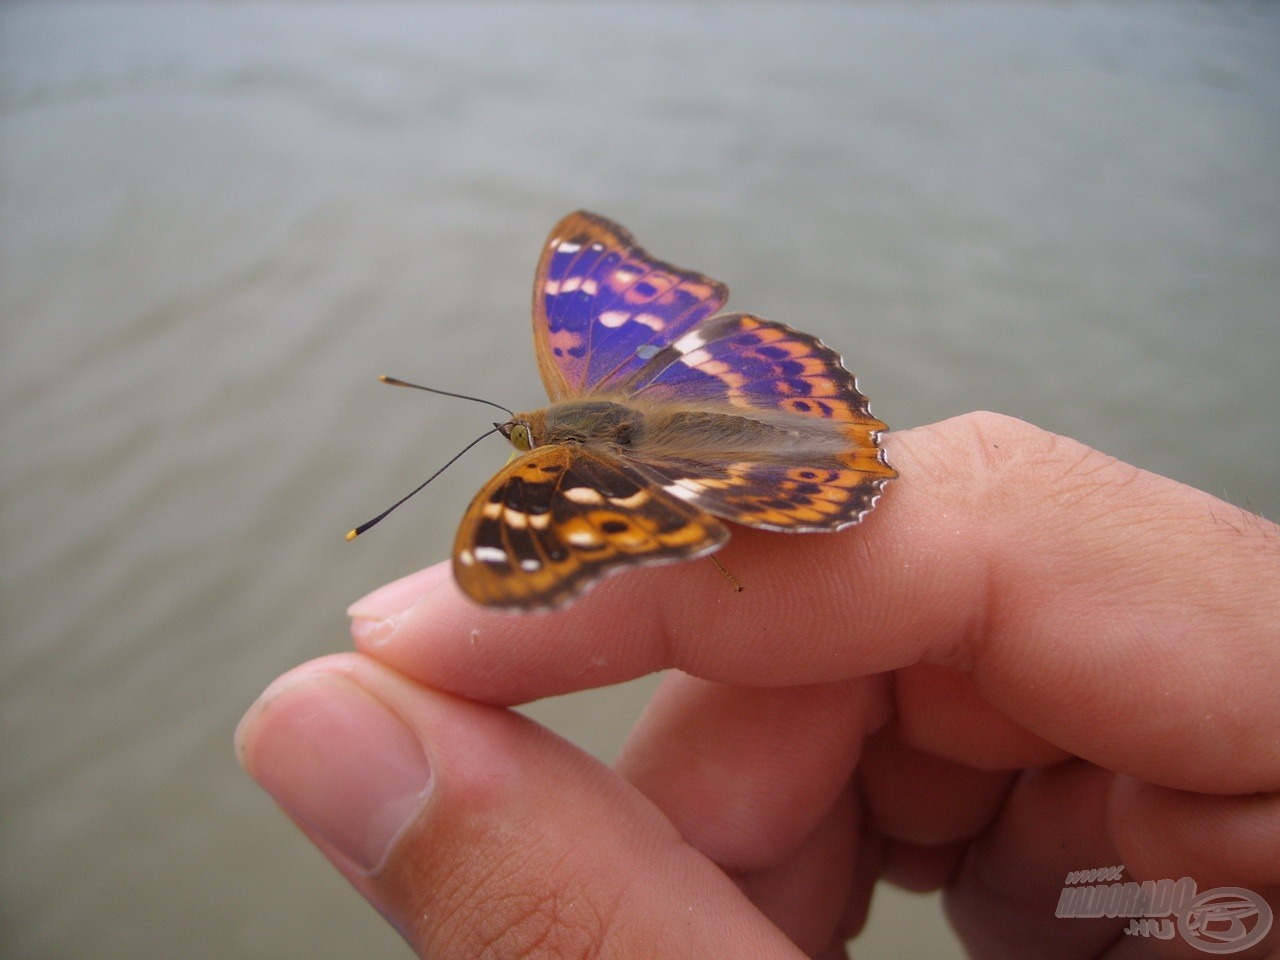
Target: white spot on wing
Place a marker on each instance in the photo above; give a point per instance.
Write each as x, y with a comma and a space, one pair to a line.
637, 498
689, 342
684, 489
491, 555
583, 538
616, 318
583, 495
515, 518
695, 358
567, 246
466, 557
585, 284
530, 564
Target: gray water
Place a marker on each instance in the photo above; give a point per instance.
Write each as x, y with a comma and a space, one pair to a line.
222, 221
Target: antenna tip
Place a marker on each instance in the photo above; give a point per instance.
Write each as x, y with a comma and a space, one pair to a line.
352, 534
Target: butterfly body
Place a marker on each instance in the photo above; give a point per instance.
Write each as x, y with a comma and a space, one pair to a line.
646, 431
664, 421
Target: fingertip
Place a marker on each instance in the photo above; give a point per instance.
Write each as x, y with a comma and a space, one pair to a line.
342, 763
376, 617
396, 597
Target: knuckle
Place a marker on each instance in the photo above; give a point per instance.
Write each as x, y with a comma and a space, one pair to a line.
996, 457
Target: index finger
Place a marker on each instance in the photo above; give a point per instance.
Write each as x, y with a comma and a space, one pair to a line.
1064, 583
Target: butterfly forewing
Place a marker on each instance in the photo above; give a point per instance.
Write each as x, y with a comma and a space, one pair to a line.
560, 517
603, 306
740, 360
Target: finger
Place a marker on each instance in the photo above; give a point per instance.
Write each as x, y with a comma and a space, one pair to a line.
1079, 595
1002, 898
809, 893
1221, 841
477, 833
1072, 817
942, 712
747, 774
924, 800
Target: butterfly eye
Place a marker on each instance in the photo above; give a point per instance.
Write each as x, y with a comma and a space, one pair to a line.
520, 437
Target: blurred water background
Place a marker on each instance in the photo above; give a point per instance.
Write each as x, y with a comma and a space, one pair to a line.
222, 220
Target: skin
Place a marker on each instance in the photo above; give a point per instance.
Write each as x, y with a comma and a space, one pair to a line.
1029, 659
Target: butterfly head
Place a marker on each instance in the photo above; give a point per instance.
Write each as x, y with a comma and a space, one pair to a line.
518, 432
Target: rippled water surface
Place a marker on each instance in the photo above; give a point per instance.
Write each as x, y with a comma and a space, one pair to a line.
222, 221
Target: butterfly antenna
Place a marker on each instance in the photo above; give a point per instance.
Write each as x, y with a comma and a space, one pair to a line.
355, 532
395, 382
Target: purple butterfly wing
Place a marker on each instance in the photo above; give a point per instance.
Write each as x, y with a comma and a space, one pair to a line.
603, 307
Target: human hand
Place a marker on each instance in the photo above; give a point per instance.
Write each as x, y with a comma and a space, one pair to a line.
1030, 659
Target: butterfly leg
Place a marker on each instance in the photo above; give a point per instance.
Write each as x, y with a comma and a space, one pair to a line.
733, 581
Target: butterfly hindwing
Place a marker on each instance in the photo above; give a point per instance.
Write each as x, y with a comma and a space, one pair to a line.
805, 494
560, 517
821, 468
602, 306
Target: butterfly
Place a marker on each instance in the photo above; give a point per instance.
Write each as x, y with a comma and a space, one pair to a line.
665, 421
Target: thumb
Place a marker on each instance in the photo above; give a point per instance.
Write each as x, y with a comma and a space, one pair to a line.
477, 833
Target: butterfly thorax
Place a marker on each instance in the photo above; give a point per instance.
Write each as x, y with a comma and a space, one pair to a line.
577, 422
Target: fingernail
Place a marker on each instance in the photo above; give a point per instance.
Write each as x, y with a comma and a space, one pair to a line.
374, 617
337, 761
